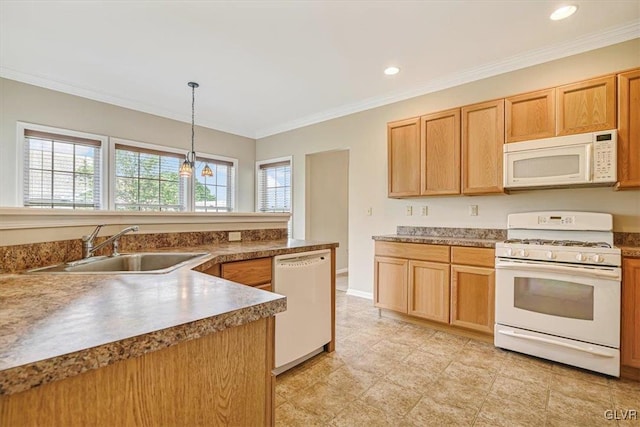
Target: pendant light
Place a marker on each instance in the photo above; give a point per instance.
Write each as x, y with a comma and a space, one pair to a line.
186, 169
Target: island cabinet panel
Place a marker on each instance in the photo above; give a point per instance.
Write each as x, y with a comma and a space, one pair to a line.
220, 379
630, 344
429, 290
482, 147
440, 153
390, 278
530, 116
403, 153
472, 297
629, 130
586, 106
253, 272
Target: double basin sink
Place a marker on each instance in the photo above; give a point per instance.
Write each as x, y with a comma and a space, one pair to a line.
162, 262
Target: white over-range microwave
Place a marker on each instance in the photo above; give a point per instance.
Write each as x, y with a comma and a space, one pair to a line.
563, 161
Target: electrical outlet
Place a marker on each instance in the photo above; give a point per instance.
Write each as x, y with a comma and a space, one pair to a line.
424, 211
369, 211
409, 210
473, 210
235, 236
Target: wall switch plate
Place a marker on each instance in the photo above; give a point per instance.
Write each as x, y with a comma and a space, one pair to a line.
235, 236
424, 210
473, 210
409, 210
369, 211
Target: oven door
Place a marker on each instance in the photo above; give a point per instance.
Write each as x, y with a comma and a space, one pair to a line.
577, 302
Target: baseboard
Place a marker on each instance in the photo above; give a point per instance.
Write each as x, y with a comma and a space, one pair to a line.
342, 271
360, 294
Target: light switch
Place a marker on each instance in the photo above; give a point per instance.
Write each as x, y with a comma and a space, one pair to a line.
409, 210
424, 211
369, 211
473, 210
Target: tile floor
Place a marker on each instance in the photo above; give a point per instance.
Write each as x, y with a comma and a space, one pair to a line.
386, 372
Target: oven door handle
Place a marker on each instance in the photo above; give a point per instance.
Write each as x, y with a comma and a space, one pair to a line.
558, 343
557, 269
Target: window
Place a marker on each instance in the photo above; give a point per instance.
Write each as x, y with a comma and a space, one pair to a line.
147, 180
214, 193
274, 187
61, 170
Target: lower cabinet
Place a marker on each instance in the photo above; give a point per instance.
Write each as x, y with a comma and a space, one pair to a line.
630, 342
452, 285
252, 272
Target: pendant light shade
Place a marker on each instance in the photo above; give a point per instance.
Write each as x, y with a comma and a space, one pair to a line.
189, 163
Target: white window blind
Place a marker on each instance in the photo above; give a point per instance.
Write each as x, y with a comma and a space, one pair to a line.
274, 188
147, 180
214, 193
61, 171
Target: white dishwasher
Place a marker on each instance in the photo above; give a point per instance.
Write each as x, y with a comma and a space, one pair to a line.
302, 331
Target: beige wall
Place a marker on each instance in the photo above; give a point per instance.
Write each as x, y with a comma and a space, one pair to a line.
327, 204
32, 104
364, 134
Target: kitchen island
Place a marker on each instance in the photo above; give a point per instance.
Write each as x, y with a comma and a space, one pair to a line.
141, 349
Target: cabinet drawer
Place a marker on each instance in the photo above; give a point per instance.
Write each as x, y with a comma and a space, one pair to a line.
483, 257
416, 251
251, 272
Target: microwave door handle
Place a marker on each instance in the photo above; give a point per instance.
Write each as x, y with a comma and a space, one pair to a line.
557, 269
589, 156
554, 342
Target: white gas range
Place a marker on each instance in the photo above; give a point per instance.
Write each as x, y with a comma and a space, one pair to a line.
558, 289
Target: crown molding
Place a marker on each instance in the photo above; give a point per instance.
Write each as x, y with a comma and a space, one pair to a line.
582, 44
68, 88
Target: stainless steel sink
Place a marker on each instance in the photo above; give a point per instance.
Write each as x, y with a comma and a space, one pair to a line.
161, 262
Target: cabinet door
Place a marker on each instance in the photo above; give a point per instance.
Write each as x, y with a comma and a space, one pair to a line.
482, 145
530, 115
429, 290
441, 153
252, 272
630, 343
472, 297
586, 106
403, 151
390, 287
629, 129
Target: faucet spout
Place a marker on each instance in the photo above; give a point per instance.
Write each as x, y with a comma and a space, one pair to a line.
89, 249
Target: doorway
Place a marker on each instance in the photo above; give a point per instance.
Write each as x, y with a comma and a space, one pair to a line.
327, 204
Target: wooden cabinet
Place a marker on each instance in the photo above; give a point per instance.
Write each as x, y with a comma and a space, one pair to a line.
403, 154
586, 106
253, 272
390, 278
472, 288
530, 116
629, 130
630, 336
417, 279
482, 141
429, 290
440, 166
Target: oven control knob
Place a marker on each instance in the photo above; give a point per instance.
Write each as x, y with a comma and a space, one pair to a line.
598, 258
509, 252
524, 253
580, 257
551, 255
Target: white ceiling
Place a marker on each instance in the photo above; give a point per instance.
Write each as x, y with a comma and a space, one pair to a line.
269, 66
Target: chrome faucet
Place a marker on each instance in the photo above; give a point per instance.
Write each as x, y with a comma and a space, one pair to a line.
87, 241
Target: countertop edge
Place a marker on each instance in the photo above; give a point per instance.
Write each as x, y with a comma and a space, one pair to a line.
441, 240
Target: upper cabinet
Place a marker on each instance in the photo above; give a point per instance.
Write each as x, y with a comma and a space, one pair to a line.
530, 115
482, 141
440, 153
629, 129
586, 106
403, 154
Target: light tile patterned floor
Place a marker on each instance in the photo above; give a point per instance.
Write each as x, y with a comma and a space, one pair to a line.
386, 372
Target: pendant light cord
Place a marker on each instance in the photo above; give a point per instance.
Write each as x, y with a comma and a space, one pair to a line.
193, 115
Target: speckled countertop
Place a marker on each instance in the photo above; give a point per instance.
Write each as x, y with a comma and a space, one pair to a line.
630, 251
474, 237
54, 326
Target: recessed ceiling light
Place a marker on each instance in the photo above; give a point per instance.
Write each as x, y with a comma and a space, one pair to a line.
563, 12
391, 71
